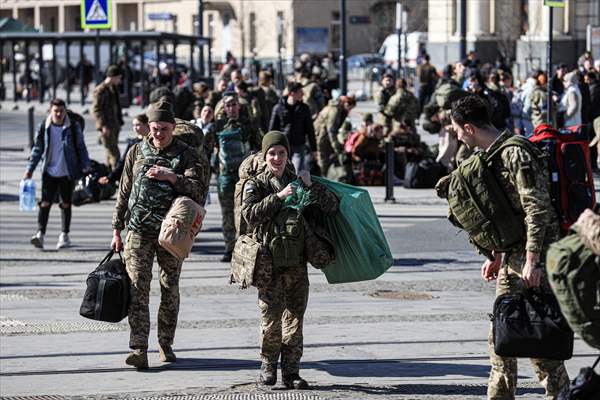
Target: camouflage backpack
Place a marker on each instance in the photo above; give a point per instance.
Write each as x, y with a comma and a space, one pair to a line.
188, 133
479, 205
249, 168
574, 275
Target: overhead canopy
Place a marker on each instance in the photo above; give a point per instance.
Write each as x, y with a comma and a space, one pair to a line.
90, 36
12, 25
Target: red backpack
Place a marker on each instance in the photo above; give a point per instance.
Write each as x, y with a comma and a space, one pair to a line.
571, 180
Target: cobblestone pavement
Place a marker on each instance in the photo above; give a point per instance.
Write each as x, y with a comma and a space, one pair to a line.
417, 332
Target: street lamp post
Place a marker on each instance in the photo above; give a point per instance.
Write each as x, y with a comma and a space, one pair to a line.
549, 64
201, 33
280, 82
399, 35
343, 63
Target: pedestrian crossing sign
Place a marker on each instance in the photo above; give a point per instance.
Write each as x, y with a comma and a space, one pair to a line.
96, 14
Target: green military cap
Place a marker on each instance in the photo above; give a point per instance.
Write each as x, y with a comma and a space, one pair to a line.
161, 111
113, 70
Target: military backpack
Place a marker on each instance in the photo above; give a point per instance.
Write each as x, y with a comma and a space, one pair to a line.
574, 275
479, 205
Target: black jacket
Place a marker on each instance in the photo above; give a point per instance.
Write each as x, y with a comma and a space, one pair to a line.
594, 101
295, 121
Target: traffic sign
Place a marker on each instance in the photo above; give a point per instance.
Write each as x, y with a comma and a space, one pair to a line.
555, 3
96, 14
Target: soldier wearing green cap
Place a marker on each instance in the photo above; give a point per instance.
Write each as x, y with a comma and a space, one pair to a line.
156, 171
283, 292
234, 137
106, 108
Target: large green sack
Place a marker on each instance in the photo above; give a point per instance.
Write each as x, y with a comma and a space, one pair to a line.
574, 275
361, 249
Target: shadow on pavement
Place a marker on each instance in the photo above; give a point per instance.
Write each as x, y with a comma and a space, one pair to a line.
419, 389
397, 368
8, 197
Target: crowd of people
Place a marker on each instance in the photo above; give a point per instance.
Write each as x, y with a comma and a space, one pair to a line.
190, 132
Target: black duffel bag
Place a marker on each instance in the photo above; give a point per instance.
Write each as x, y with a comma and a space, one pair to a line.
87, 190
107, 295
423, 174
530, 324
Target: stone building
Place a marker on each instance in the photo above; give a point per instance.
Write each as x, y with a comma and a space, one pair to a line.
515, 29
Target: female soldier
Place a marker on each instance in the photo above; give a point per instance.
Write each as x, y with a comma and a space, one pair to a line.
282, 297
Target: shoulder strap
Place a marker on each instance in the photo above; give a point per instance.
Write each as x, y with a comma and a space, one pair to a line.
516, 141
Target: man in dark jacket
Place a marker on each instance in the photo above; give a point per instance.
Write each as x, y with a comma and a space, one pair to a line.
293, 118
60, 143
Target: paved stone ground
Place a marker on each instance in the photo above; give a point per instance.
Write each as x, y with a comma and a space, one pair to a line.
417, 332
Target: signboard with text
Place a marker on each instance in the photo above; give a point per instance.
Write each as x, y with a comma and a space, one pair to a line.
555, 3
312, 40
96, 14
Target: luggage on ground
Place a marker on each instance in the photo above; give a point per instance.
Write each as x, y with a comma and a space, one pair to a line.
572, 183
423, 174
107, 295
361, 249
180, 226
529, 324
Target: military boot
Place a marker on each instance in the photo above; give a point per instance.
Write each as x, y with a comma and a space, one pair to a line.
268, 374
294, 381
137, 358
165, 353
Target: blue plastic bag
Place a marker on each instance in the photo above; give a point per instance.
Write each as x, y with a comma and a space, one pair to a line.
27, 195
361, 249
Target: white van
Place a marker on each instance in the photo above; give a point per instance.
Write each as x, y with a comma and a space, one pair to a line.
415, 45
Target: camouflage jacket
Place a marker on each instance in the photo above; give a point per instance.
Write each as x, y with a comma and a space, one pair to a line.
526, 183
106, 107
382, 97
260, 203
403, 106
190, 177
539, 107
329, 121
589, 231
313, 96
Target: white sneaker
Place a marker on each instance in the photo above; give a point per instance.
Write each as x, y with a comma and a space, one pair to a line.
63, 241
37, 240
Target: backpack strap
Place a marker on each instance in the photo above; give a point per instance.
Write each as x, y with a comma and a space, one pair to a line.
516, 141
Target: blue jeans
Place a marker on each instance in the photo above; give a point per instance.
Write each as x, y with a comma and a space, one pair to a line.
301, 157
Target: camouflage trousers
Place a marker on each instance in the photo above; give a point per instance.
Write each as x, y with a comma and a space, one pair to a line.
502, 384
324, 153
139, 257
111, 144
282, 305
226, 200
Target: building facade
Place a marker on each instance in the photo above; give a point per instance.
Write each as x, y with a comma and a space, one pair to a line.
514, 29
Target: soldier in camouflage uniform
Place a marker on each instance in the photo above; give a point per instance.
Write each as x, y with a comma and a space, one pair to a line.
403, 106
156, 171
539, 101
233, 137
106, 108
283, 298
313, 95
383, 96
525, 180
327, 126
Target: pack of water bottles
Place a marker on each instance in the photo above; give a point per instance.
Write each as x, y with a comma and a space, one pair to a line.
27, 195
